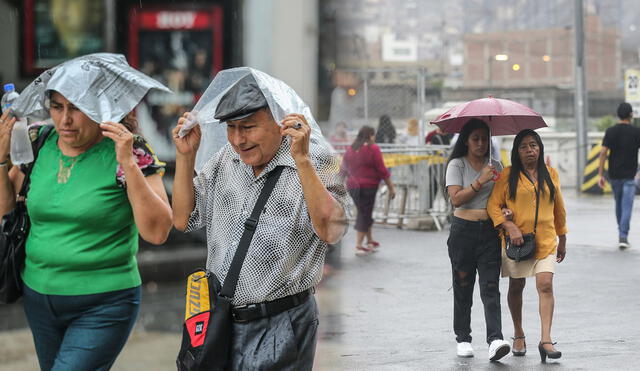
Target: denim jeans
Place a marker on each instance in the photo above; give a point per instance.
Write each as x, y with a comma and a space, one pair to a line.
475, 246
80, 332
624, 191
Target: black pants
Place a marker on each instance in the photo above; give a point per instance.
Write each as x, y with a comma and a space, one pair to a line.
283, 342
475, 246
365, 200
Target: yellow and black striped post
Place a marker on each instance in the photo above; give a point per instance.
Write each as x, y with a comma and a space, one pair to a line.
590, 179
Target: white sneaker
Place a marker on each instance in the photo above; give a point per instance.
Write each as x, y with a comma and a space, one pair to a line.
498, 349
623, 244
465, 350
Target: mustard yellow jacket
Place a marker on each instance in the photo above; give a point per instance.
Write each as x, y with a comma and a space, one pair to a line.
552, 218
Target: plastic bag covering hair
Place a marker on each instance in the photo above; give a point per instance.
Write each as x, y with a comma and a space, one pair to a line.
282, 100
102, 85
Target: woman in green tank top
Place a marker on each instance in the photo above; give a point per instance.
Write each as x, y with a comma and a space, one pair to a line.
94, 188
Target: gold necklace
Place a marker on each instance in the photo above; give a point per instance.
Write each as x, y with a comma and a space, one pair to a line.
64, 169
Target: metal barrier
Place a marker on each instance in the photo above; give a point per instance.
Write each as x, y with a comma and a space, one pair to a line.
418, 174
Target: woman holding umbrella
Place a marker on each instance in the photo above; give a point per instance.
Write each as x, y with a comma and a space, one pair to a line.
474, 244
504, 117
94, 186
531, 190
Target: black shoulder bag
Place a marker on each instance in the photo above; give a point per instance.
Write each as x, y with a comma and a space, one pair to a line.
207, 329
527, 250
13, 234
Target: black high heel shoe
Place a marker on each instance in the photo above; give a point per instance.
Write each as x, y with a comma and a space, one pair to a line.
518, 352
545, 353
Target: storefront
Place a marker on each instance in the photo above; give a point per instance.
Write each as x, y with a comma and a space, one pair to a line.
182, 44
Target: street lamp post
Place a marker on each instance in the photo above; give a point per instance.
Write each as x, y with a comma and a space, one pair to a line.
580, 95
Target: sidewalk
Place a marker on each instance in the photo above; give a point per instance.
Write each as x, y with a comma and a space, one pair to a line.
393, 310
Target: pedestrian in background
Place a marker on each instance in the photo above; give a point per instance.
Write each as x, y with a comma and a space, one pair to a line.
621, 142
474, 244
412, 138
438, 137
364, 168
386, 133
94, 187
527, 188
339, 139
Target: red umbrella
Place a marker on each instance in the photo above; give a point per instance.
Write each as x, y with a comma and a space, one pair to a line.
503, 116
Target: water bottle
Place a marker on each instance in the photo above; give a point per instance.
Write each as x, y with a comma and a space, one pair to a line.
9, 96
21, 151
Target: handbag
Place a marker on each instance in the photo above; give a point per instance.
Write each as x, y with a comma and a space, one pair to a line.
14, 231
527, 250
207, 329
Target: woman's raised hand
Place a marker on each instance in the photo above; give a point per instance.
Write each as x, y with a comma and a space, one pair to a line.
187, 145
123, 140
487, 174
6, 126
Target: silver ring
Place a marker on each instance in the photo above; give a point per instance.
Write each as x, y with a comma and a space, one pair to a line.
297, 125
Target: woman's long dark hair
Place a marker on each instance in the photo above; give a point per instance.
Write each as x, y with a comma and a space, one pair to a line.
460, 149
131, 123
364, 136
386, 131
517, 167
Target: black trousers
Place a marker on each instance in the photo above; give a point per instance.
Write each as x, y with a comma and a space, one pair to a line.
475, 247
284, 342
365, 200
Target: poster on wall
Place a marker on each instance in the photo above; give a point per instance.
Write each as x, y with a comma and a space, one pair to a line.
58, 30
632, 89
182, 48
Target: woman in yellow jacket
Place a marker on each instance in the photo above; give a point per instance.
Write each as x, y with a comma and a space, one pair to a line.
516, 191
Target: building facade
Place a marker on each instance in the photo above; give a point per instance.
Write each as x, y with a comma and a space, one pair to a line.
537, 58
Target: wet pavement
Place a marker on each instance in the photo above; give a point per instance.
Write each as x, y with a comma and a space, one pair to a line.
392, 310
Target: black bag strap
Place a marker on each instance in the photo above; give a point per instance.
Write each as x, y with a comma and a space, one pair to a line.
535, 224
231, 280
36, 149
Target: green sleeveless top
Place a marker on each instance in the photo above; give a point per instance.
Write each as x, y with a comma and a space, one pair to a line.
83, 239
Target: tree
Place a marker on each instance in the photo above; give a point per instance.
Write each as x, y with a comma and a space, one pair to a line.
605, 122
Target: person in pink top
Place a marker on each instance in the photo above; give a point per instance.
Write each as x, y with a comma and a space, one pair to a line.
363, 166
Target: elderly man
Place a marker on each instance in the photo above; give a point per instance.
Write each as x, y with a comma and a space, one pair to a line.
275, 313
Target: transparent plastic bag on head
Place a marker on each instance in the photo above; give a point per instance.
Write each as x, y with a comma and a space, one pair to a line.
102, 85
281, 98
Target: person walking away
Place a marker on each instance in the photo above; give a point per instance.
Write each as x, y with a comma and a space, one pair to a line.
274, 310
474, 244
621, 142
364, 167
530, 185
386, 133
